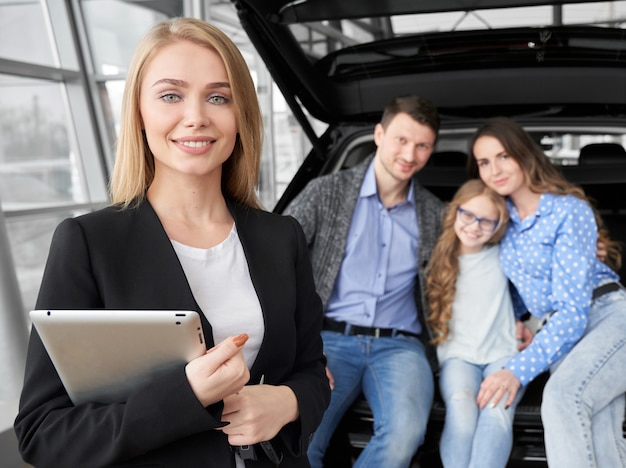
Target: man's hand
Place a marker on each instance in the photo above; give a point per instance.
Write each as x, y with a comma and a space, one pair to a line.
331, 379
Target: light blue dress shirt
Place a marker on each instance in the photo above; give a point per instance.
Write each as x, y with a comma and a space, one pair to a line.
550, 257
376, 282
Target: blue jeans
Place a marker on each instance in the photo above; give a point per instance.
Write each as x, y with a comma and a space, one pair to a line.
396, 379
473, 437
583, 402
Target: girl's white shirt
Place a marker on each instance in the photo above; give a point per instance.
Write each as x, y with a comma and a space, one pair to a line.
482, 328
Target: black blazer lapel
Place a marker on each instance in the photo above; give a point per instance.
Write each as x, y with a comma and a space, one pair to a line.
164, 281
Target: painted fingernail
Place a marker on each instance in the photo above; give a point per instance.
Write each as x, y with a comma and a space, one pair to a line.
239, 340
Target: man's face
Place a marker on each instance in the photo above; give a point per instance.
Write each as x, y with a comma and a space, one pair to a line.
404, 147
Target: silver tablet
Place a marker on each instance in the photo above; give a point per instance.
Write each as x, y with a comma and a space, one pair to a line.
101, 356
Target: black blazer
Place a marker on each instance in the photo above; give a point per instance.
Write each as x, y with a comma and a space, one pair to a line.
123, 259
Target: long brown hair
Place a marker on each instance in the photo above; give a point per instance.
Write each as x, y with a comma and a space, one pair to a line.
613, 248
134, 164
443, 268
541, 175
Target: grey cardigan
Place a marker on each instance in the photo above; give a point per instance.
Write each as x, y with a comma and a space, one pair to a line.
324, 209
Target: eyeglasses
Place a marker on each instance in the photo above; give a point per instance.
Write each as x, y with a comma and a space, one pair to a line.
485, 224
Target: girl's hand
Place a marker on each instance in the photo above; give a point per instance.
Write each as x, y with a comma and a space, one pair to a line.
523, 334
258, 412
497, 386
220, 372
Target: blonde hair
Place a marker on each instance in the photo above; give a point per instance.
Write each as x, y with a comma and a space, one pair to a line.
133, 171
541, 175
443, 267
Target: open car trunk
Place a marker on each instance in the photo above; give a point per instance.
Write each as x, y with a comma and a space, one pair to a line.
558, 68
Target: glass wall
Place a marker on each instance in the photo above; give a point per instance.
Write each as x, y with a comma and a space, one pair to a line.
24, 33
51, 157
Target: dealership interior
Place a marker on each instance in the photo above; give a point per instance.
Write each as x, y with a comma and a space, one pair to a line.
63, 66
62, 72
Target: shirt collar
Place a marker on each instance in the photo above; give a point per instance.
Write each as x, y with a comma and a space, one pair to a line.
546, 204
369, 188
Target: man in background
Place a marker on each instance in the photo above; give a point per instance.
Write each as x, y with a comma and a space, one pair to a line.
370, 231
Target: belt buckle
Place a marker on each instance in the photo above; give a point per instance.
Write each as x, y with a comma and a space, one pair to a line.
245, 452
376, 332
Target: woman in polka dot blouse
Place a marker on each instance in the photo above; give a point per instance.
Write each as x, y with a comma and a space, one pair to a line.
549, 254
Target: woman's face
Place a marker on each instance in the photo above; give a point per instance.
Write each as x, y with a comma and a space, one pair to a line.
476, 220
497, 169
187, 111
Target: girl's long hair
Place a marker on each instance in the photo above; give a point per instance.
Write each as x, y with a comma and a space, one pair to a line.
541, 175
443, 268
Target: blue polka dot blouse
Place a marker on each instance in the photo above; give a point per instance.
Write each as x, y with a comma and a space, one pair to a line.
550, 257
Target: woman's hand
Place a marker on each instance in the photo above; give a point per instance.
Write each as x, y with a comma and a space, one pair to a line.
496, 386
258, 412
220, 372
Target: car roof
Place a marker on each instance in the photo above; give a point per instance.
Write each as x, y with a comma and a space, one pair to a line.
343, 60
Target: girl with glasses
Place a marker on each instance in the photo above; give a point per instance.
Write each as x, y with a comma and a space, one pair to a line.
473, 319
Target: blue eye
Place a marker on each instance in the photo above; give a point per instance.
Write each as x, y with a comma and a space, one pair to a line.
169, 97
218, 99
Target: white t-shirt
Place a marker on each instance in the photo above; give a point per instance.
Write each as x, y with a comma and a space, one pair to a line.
221, 285
220, 281
482, 328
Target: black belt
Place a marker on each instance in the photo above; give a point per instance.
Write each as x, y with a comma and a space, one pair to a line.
348, 329
605, 289
599, 291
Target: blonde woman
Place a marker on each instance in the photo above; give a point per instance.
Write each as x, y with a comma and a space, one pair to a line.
185, 232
